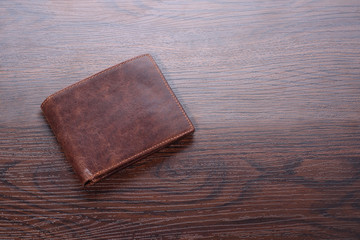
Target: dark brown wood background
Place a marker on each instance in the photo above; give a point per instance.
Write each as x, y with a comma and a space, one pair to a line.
273, 88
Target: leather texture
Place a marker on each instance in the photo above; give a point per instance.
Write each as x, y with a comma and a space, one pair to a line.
115, 117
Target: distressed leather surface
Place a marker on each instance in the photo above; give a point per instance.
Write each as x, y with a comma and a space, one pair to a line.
115, 117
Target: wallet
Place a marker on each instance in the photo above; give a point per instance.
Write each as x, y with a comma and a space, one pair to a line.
115, 117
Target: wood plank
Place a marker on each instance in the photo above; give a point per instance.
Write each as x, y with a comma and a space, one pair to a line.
272, 88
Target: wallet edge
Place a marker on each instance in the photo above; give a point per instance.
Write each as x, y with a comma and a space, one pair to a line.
137, 157
89, 78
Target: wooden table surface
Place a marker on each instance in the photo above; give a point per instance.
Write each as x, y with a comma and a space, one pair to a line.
273, 88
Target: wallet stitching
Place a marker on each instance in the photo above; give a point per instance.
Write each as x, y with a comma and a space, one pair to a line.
171, 92
114, 166
148, 149
158, 144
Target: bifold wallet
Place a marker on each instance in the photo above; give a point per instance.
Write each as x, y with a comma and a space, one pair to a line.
115, 117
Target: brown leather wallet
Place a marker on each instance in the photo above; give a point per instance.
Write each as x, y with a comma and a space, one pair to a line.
115, 117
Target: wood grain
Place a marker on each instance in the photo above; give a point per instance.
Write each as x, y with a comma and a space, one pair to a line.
273, 88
